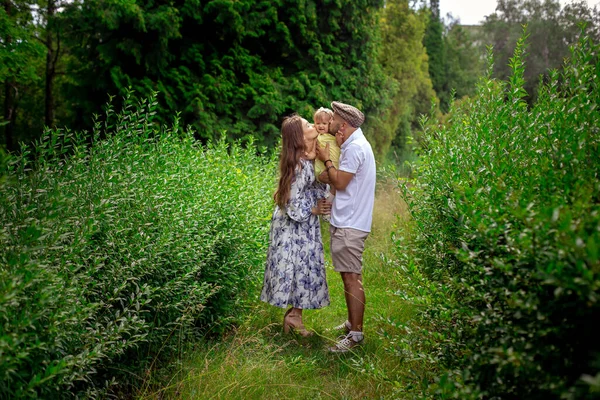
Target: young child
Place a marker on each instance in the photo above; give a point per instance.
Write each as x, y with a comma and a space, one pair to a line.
322, 118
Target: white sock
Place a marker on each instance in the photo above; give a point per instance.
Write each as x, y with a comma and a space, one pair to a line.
348, 325
357, 336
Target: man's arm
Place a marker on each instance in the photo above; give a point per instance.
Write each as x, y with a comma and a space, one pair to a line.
338, 179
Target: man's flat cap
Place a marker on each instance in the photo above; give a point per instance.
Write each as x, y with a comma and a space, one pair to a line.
351, 115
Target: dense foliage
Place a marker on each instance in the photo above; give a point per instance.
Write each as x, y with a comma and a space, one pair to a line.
114, 255
507, 207
237, 67
234, 66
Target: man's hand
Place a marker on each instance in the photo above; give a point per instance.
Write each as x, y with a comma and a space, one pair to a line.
323, 152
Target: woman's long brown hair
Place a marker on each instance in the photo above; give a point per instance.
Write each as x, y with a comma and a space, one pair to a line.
292, 150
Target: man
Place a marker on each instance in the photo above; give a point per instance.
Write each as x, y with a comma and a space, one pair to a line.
351, 213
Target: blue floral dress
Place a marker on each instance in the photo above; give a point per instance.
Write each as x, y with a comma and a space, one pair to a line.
295, 269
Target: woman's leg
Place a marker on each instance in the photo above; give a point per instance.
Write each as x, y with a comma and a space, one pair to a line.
295, 312
293, 321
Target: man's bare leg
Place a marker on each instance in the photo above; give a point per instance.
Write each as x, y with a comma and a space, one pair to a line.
355, 299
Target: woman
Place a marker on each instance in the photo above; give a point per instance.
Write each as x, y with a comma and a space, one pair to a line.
295, 269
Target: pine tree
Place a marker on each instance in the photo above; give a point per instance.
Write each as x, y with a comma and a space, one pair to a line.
434, 43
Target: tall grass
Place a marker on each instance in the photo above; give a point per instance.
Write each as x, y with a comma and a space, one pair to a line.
506, 207
114, 254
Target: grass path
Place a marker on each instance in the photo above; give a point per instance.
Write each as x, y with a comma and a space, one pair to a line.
258, 361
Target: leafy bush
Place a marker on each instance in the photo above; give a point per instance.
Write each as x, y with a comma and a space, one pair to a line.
507, 206
115, 253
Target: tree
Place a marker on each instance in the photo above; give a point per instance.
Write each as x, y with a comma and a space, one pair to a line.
32, 67
434, 43
52, 29
577, 12
19, 58
464, 59
404, 60
551, 31
234, 66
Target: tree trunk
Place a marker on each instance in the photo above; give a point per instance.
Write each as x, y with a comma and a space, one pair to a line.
9, 97
51, 58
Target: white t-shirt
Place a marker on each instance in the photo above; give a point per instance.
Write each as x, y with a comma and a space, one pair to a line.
353, 206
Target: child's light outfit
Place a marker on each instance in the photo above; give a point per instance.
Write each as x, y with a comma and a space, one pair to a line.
334, 156
334, 153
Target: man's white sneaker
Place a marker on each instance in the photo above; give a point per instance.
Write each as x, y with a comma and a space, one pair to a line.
345, 344
342, 329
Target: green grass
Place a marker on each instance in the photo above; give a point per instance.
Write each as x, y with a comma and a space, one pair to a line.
258, 361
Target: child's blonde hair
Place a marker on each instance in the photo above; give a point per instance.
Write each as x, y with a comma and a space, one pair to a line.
323, 110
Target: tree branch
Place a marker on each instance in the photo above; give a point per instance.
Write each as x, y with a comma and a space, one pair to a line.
40, 40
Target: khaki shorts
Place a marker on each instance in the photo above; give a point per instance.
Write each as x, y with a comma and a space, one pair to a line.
347, 246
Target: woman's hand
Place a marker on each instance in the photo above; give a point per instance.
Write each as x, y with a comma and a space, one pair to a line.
323, 208
311, 148
324, 177
310, 155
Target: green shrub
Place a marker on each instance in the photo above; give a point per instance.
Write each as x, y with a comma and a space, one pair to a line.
116, 253
507, 207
